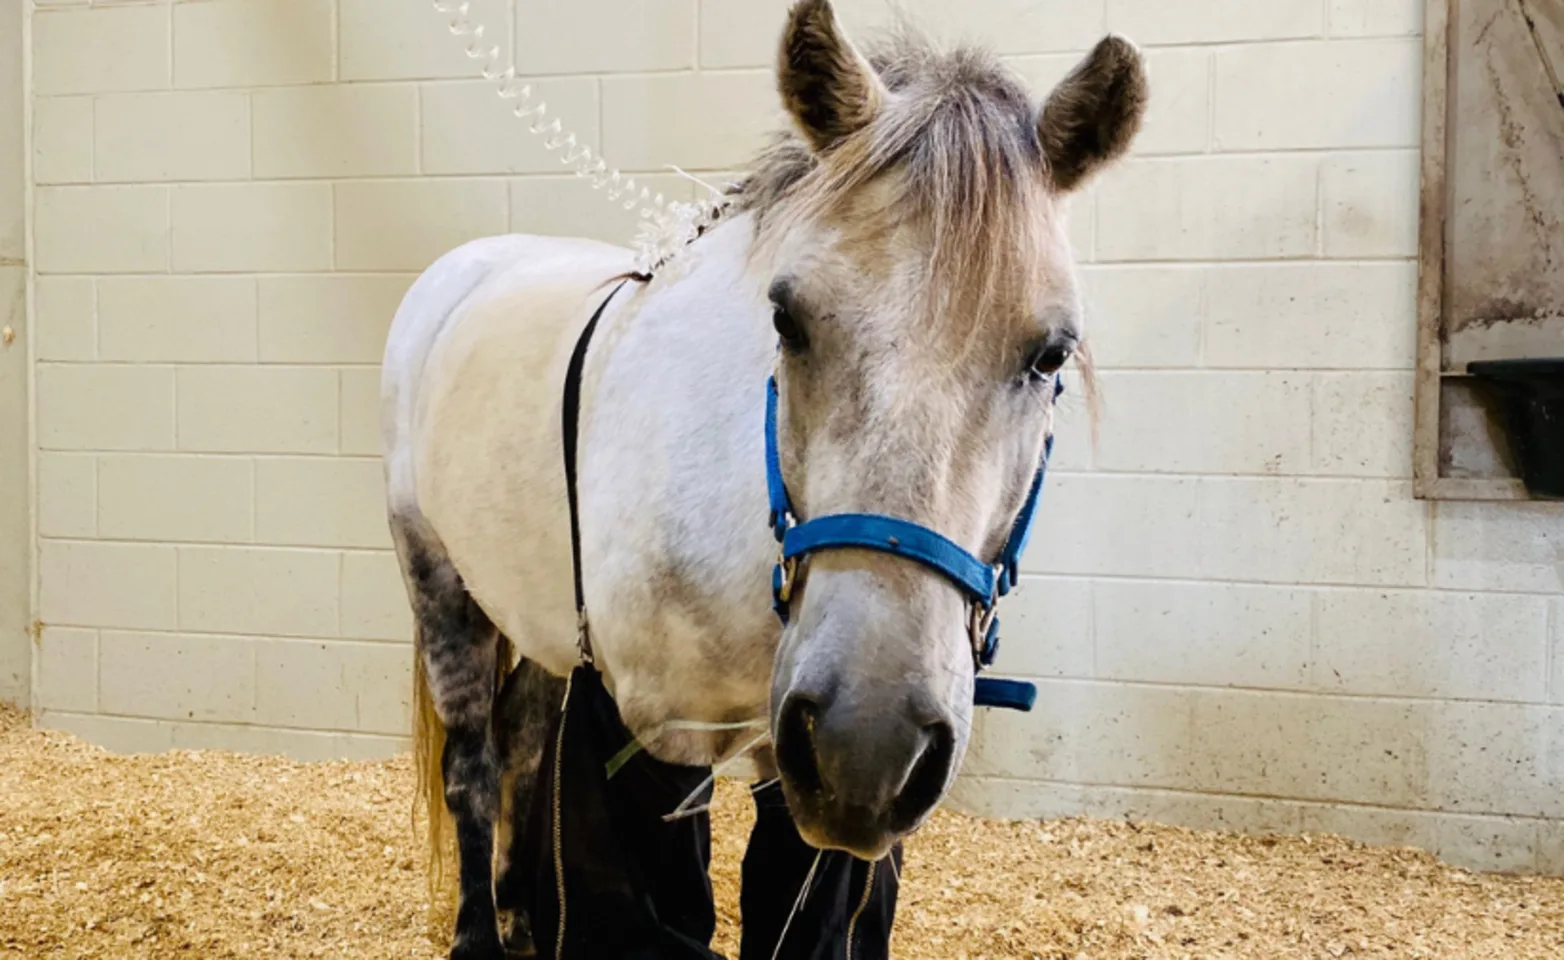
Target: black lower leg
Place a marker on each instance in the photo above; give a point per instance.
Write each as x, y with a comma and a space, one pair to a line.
459, 650
472, 796
527, 706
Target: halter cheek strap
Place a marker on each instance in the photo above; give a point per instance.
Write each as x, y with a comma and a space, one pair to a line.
982, 583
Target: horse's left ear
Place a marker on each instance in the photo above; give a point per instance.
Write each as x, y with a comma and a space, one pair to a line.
830, 89
1092, 116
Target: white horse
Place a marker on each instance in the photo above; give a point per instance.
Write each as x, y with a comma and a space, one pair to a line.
899, 260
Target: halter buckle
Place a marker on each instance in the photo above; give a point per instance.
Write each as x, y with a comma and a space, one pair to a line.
788, 568
979, 625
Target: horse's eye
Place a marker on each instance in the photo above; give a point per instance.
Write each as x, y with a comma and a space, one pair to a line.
787, 328
1050, 357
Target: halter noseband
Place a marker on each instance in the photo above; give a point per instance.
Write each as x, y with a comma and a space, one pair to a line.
982, 583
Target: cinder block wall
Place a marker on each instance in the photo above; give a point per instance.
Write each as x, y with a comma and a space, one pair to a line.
1239, 615
15, 510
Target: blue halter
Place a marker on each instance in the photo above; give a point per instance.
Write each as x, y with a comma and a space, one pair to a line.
984, 584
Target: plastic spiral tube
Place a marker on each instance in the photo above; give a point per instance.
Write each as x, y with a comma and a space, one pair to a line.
664, 226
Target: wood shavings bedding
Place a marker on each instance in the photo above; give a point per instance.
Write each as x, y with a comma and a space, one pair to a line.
213, 855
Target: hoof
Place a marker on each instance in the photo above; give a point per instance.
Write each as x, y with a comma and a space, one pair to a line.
517, 936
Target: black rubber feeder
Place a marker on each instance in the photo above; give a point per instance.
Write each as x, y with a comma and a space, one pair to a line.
1532, 391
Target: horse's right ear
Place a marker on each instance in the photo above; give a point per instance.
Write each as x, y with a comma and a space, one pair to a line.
830, 89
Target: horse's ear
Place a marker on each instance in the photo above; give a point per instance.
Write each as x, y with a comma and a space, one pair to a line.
830, 89
1094, 113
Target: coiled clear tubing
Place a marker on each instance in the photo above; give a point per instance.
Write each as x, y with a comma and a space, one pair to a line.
664, 226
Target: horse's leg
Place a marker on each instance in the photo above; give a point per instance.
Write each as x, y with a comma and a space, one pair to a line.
528, 704
459, 652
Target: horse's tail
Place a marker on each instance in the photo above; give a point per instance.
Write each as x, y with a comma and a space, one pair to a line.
428, 749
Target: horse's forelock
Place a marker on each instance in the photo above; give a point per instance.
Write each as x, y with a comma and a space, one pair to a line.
958, 132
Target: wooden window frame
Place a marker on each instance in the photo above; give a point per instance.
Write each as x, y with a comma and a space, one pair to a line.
1429, 483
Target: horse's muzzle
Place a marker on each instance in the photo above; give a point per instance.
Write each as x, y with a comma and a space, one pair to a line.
860, 776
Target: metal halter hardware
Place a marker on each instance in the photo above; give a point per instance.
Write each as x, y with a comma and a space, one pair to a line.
982, 583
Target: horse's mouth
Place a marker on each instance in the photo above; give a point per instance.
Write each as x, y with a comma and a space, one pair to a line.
856, 833
860, 787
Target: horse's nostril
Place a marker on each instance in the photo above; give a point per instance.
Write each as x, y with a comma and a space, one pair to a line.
926, 781
795, 742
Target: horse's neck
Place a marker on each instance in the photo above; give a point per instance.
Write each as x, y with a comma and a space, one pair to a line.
673, 484
684, 386
697, 351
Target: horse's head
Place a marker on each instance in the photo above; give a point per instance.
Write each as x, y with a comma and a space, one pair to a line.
925, 298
